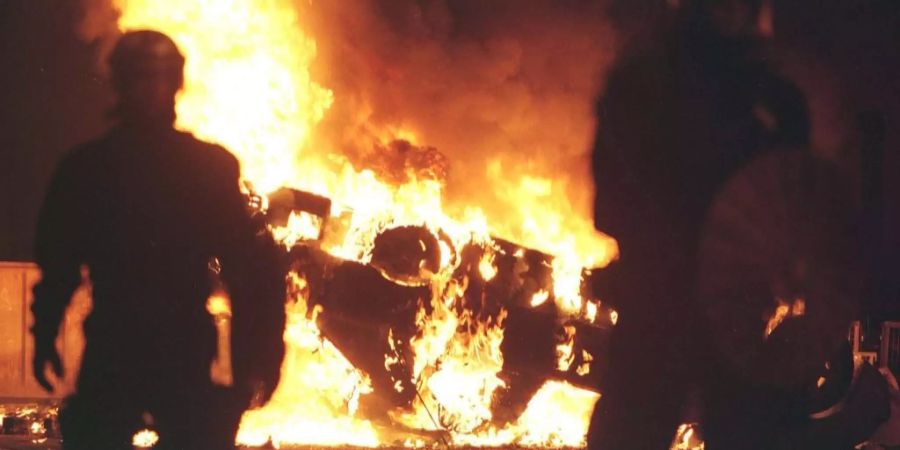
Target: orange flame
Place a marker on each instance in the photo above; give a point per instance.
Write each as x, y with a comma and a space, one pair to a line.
784, 310
145, 438
248, 87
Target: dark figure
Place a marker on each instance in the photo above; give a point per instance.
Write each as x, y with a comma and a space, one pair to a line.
147, 209
681, 112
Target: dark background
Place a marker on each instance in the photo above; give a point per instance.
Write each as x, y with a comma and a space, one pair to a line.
53, 97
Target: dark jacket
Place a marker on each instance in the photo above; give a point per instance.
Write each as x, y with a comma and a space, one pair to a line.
146, 211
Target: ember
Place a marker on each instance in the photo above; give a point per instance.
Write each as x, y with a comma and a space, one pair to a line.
687, 438
406, 324
145, 439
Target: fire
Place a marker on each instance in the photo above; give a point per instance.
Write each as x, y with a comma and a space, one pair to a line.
248, 86
219, 306
145, 438
316, 405
687, 438
300, 226
246, 82
565, 427
37, 427
794, 308
564, 351
539, 298
487, 267
585, 367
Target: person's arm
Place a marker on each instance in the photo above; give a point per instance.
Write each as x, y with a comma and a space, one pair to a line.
58, 255
254, 275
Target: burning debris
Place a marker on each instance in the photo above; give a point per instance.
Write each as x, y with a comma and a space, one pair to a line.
440, 337
409, 320
31, 422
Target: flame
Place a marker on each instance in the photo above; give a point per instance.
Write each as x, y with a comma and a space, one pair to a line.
591, 311
585, 367
218, 304
795, 308
458, 359
301, 226
687, 438
145, 438
541, 217
317, 405
248, 87
565, 427
487, 267
565, 355
539, 298
37, 427
246, 80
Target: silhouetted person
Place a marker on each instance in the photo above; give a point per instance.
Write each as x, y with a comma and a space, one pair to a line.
146, 209
680, 113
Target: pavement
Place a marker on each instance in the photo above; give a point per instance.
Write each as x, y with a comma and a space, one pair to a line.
27, 443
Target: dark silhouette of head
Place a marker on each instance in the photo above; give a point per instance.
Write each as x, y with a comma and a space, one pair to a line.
147, 71
734, 19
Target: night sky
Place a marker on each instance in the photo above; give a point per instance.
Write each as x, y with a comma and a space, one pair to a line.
53, 96
52, 99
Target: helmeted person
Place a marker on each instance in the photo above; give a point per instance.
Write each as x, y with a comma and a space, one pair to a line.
682, 111
146, 209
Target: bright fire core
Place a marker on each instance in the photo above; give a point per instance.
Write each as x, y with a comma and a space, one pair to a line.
248, 87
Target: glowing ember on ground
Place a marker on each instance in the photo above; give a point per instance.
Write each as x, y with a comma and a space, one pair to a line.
248, 87
145, 439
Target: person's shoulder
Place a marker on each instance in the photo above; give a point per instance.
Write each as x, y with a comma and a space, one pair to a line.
644, 66
83, 155
213, 156
648, 50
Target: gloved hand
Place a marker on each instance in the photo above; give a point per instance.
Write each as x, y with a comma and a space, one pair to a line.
45, 353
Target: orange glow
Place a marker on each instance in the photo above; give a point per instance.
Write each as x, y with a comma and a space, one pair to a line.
145, 439
565, 350
487, 268
539, 298
784, 310
301, 226
218, 304
687, 438
585, 367
37, 427
591, 311
248, 87
315, 403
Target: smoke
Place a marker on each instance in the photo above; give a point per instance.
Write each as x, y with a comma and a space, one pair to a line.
504, 90
489, 84
98, 27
